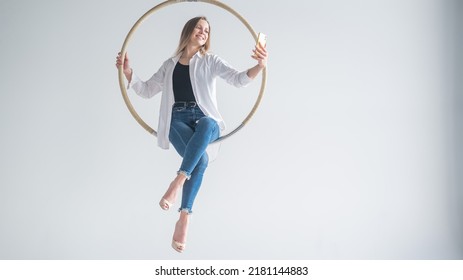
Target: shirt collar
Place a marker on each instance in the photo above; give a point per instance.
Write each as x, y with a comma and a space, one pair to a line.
177, 57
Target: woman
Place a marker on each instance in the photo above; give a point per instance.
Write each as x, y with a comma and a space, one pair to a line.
189, 118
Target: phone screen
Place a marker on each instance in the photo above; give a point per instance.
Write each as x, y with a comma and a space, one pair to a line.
261, 39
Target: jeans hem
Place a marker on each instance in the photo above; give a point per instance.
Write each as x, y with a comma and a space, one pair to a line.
188, 176
186, 210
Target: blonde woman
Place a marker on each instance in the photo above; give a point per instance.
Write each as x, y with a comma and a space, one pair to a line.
189, 118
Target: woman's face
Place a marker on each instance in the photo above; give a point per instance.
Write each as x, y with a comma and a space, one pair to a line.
200, 33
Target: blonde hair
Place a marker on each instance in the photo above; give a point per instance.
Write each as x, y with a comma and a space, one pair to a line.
186, 34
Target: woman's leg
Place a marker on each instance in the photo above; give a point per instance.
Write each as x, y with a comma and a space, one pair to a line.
205, 132
191, 187
181, 228
180, 134
191, 144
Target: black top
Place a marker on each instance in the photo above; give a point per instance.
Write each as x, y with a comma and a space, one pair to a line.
182, 83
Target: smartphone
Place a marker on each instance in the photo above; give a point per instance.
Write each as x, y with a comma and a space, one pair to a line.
261, 39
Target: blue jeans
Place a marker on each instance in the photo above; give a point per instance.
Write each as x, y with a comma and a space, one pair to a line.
190, 133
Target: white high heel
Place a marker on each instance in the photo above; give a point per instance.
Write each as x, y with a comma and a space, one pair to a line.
179, 247
165, 204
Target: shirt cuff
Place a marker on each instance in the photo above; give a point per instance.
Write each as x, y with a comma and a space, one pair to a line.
244, 79
134, 80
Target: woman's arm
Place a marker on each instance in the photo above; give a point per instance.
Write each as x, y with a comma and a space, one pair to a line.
145, 89
254, 71
240, 78
260, 54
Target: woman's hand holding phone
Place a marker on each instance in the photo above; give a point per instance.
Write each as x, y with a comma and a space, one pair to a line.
260, 51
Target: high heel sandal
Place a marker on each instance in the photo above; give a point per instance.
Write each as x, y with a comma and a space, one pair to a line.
165, 204
179, 247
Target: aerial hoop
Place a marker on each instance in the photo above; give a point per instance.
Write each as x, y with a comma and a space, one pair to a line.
154, 10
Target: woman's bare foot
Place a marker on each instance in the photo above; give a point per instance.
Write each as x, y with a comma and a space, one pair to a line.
180, 233
171, 194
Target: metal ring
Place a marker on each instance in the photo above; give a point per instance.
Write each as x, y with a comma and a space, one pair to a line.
152, 11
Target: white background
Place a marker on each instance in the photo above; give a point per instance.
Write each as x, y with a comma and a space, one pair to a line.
353, 153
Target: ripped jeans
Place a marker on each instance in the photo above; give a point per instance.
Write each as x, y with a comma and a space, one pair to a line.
190, 133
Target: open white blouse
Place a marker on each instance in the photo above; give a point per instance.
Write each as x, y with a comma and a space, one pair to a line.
204, 69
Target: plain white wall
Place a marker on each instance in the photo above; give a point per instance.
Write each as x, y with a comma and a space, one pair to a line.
351, 154
457, 195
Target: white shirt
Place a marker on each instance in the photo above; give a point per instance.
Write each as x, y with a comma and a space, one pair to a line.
204, 69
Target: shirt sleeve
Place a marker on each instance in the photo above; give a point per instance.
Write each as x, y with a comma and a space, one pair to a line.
230, 74
149, 88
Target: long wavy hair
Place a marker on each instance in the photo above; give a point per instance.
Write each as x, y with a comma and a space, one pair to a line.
186, 34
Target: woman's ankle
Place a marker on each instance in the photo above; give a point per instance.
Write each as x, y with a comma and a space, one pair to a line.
180, 179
